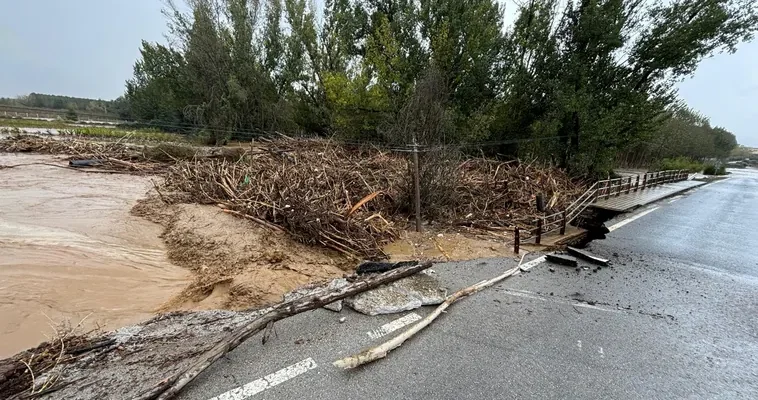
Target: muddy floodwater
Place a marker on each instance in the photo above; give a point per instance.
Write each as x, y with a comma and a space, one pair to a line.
71, 251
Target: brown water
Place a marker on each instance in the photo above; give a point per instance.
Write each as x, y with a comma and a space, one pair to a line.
70, 250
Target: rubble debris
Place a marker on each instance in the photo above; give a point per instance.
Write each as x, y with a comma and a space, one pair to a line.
105, 156
383, 300
334, 285
381, 351
588, 256
336, 306
424, 287
562, 259
403, 295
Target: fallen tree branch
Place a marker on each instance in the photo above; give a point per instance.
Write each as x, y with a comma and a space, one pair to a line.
381, 351
88, 171
169, 387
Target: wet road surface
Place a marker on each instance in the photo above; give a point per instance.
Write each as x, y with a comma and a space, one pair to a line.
674, 317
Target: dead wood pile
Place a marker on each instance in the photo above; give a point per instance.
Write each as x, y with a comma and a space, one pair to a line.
319, 192
353, 200
493, 194
110, 155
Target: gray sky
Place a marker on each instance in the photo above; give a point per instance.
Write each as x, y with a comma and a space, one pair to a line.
86, 48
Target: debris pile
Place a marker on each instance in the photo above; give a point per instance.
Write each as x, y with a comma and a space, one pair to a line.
352, 199
495, 194
355, 199
319, 192
105, 156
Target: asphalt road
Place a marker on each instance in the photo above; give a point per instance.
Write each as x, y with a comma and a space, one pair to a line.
676, 316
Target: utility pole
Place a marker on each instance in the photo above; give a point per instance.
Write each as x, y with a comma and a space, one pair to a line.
416, 185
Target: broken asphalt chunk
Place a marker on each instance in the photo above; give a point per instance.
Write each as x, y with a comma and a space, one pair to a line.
588, 256
561, 259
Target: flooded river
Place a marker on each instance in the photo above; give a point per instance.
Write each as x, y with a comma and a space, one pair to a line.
70, 250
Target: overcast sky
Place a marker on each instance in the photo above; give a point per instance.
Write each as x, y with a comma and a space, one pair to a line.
86, 48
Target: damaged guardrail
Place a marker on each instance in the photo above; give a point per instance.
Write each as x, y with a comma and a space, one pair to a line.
600, 190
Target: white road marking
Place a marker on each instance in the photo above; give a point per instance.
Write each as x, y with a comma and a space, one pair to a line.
269, 381
630, 219
591, 307
579, 344
535, 296
675, 199
531, 264
602, 355
394, 325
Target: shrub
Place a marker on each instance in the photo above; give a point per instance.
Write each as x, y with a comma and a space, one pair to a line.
678, 163
712, 169
71, 115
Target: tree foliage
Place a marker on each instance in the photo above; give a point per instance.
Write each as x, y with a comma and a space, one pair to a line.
685, 133
576, 82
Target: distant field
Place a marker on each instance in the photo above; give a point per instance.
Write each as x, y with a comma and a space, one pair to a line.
75, 129
7, 111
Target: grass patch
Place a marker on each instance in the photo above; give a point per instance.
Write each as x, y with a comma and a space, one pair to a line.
152, 135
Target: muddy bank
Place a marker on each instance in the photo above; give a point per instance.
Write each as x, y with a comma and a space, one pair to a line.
466, 244
236, 264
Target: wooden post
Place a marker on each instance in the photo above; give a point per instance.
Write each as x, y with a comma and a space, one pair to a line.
608, 188
538, 239
620, 187
637, 184
629, 185
563, 223
417, 186
516, 240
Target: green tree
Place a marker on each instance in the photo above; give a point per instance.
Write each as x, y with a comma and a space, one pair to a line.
466, 44
157, 92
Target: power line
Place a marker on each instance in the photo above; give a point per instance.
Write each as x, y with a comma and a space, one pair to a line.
259, 133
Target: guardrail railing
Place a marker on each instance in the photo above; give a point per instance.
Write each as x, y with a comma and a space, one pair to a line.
600, 190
